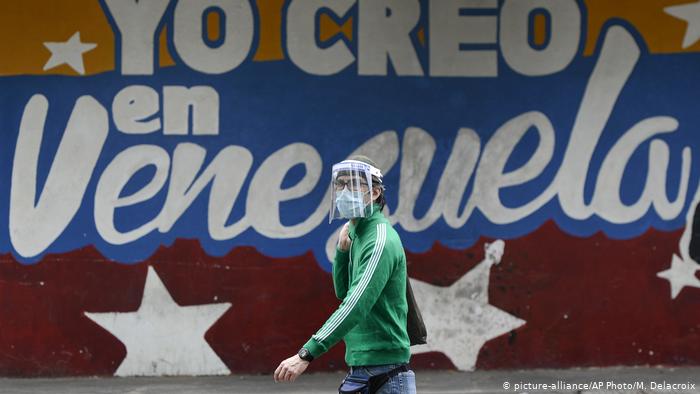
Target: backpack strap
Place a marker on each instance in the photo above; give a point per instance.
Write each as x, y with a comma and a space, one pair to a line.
376, 382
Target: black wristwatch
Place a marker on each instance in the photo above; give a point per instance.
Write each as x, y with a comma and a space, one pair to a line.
305, 355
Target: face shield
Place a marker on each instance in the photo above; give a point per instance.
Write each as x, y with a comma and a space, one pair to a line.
351, 190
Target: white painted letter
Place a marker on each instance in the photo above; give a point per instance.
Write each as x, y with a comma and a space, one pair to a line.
418, 151
34, 227
448, 30
417, 155
189, 40
301, 38
131, 108
137, 21
384, 32
265, 193
615, 64
113, 180
490, 177
564, 35
607, 201
177, 101
226, 173
454, 180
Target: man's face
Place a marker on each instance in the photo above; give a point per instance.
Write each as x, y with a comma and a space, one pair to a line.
355, 184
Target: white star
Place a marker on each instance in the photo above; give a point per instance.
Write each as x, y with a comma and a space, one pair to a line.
691, 14
681, 274
69, 52
163, 338
459, 318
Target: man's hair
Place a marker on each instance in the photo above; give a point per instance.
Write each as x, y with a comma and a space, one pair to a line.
375, 181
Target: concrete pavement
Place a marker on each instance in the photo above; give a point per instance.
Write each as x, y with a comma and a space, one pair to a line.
595, 380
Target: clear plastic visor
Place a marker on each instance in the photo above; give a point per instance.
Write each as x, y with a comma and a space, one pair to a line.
351, 186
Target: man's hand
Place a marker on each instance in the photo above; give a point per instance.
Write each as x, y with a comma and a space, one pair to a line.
290, 369
344, 238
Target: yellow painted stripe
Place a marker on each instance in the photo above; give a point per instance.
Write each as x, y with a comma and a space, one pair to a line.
662, 32
25, 26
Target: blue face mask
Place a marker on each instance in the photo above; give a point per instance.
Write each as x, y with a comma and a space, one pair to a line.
350, 204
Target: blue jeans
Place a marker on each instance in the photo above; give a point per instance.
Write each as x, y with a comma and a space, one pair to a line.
403, 383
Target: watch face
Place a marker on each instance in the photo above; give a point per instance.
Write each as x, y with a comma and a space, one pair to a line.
304, 354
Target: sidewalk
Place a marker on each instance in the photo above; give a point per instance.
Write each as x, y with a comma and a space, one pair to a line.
606, 380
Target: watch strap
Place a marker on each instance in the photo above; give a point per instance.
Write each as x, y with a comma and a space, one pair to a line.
305, 354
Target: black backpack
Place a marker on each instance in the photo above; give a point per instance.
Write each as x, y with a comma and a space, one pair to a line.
414, 320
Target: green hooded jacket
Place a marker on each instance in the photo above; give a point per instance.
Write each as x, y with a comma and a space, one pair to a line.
370, 279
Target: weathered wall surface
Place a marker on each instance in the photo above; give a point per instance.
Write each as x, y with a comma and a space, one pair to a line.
166, 168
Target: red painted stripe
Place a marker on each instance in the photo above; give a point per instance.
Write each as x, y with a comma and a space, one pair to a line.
608, 290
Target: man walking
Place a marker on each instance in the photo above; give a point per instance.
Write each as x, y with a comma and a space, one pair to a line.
369, 276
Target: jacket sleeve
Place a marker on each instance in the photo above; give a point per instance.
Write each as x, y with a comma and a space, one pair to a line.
374, 269
340, 273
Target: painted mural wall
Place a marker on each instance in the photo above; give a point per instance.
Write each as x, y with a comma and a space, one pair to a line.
165, 168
